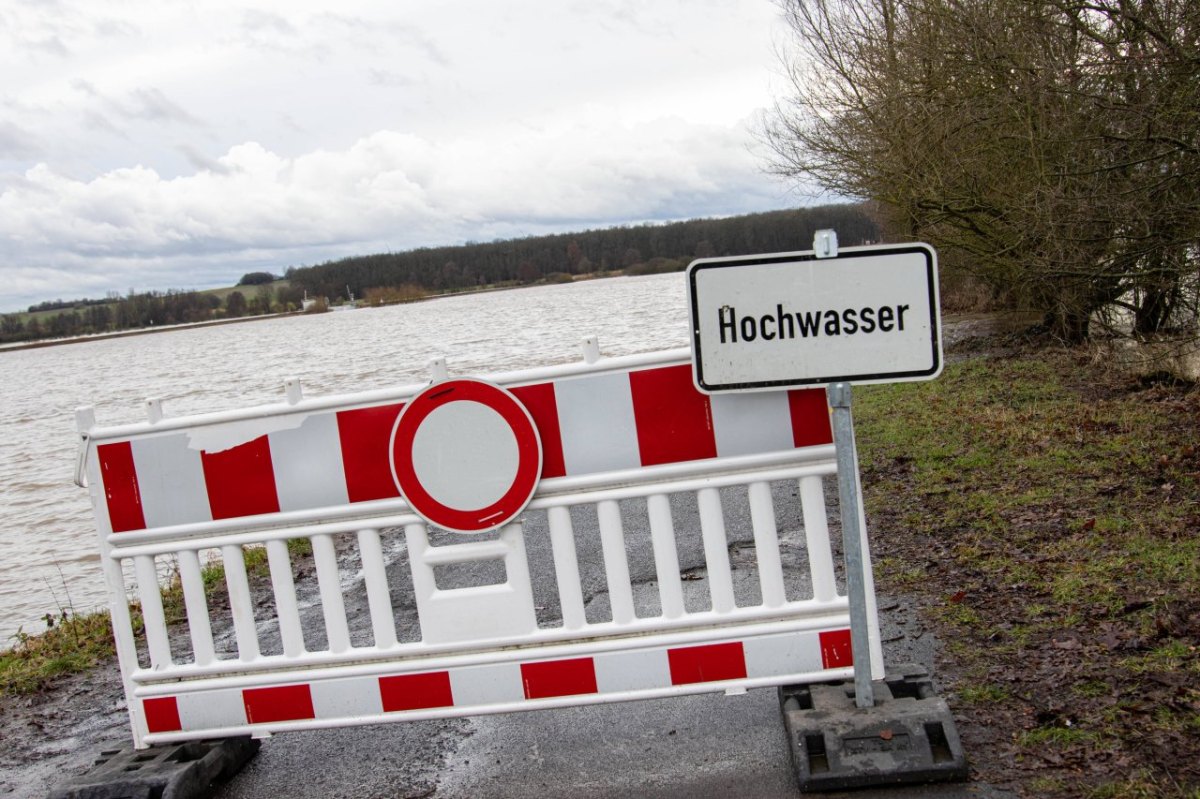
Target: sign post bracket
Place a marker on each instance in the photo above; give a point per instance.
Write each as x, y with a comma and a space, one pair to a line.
825, 244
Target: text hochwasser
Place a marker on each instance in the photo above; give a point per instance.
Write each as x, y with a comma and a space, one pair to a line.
809, 324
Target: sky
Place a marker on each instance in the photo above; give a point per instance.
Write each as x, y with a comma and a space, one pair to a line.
158, 144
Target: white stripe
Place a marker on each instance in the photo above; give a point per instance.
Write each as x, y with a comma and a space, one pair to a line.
595, 418
486, 685
207, 710
632, 671
747, 424
170, 481
788, 653
352, 696
307, 461
476, 688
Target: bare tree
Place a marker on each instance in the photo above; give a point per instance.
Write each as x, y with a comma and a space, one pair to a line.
1051, 147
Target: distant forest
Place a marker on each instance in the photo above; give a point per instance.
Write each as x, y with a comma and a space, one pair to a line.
389, 277
637, 249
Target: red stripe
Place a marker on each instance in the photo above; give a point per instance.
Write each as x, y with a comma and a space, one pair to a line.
708, 663
559, 678
121, 487
284, 703
836, 651
674, 420
162, 714
540, 401
810, 417
241, 480
416, 691
365, 434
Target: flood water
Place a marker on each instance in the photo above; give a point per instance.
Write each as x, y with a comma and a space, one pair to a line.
48, 550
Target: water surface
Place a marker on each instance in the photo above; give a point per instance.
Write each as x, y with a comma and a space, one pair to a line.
48, 547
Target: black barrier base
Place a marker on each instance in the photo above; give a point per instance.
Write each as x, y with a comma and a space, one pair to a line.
182, 771
907, 737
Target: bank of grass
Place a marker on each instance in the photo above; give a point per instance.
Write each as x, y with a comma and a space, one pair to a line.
79, 641
1048, 512
75, 643
250, 291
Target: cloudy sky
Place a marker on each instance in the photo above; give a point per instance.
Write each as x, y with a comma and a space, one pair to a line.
153, 144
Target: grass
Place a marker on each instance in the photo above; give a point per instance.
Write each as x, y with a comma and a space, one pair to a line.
982, 694
212, 575
77, 642
1054, 736
1141, 786
1048, 513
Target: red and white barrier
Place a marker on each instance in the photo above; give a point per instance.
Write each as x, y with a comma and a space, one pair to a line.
588, 425
497, 687
627, 441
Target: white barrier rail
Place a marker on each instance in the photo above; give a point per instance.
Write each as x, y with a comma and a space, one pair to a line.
406, 621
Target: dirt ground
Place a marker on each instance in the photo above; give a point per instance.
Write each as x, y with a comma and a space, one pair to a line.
1061, 576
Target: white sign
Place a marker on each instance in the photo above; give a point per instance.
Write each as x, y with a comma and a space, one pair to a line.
763, 322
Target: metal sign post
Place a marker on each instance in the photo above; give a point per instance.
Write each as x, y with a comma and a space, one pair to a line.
825, 246
856, 576
829, 318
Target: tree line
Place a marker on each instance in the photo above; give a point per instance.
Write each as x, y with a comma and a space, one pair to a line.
402, 276
636, 249
141, 310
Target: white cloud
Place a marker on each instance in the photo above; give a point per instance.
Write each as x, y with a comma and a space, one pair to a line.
388, 187
173, 145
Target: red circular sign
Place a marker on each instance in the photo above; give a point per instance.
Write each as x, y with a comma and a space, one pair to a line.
466, 455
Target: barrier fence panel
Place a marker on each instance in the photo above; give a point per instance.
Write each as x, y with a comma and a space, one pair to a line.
676, 543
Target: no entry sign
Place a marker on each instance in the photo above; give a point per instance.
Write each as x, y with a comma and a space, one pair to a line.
466, 455
868, 315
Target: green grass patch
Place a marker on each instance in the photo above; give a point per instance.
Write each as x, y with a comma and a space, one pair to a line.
212, 575
299, 547
1054, 736
1143, 785
982, 694
76, 642
1091, 688
1059, 508
1044, 786
1171, 656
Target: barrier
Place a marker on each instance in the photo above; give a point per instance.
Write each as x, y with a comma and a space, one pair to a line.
632, 455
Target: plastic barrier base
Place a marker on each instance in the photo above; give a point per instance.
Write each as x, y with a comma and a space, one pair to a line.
907, 737
184, 771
